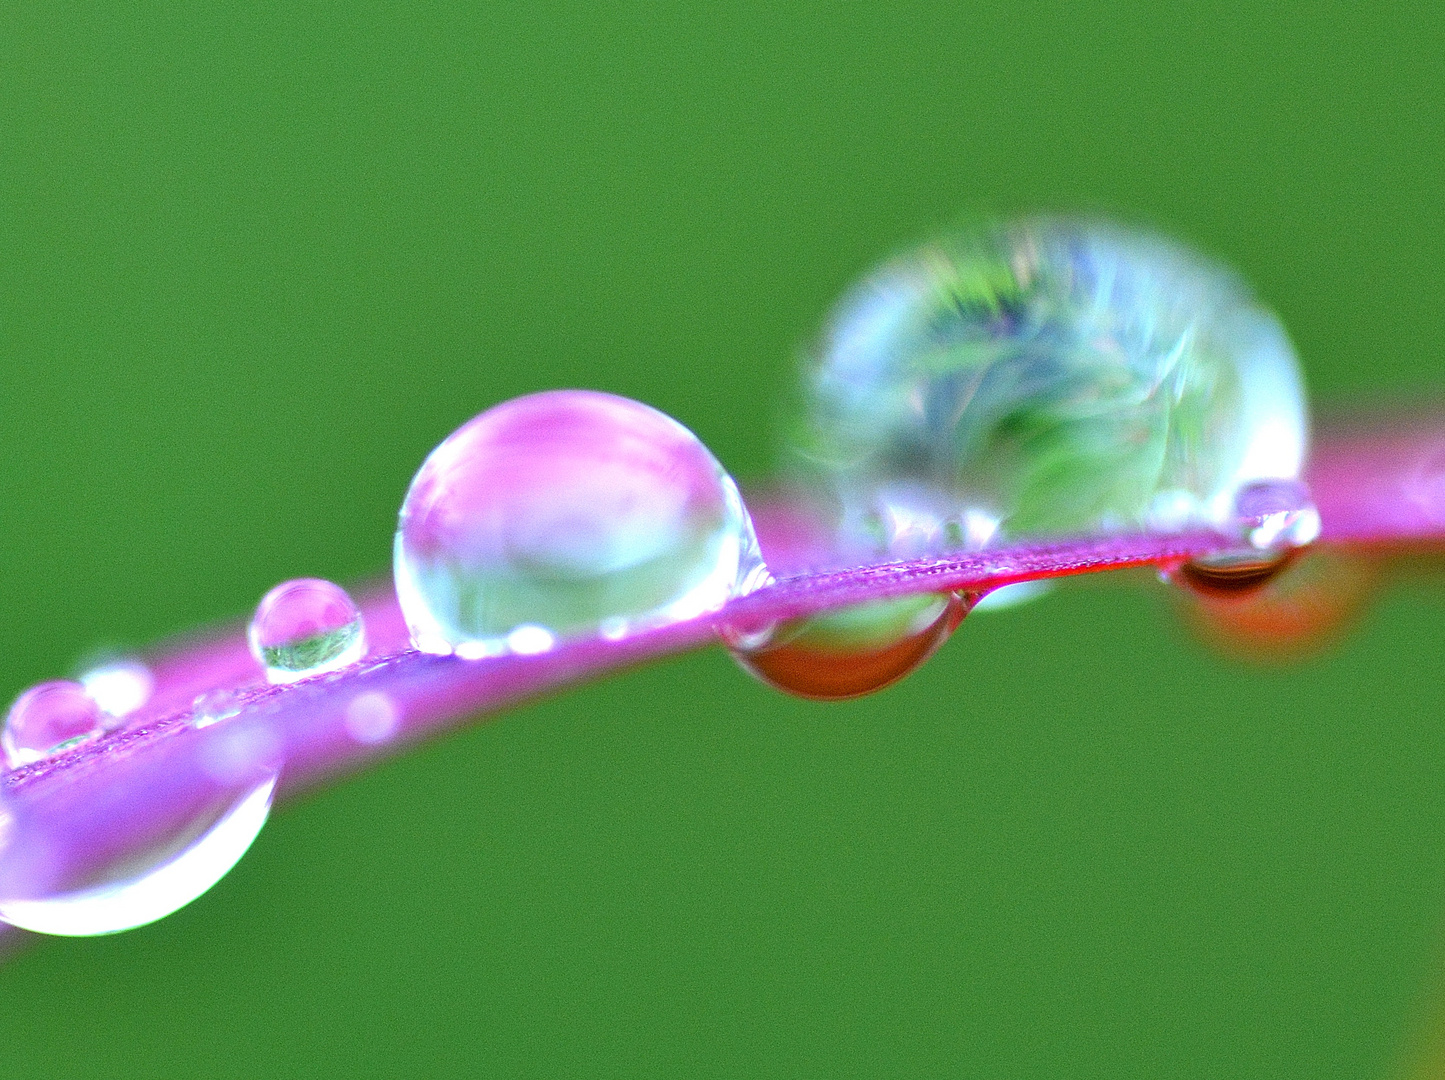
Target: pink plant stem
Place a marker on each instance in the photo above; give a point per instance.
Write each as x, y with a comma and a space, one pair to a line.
1376, 488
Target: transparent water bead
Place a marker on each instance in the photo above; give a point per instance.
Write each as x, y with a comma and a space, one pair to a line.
1047, 377
48, 719
177, 840
305, 627
214, 706
563, 514
852, 651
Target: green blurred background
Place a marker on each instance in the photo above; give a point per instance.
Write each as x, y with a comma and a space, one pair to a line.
256, 259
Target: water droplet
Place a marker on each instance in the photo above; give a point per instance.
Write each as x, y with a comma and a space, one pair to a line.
1043, 378
215, 706
119, 686
304, 627
372, 718
1296, 610
48, 719
851, 651
564, 514
1273, 520
190, 846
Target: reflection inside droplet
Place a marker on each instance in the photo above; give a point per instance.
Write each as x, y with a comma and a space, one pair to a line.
851, 651
49, 719
306, 627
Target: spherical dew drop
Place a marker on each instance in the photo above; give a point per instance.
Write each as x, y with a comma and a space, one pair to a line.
562, 515
49, 719
305, 627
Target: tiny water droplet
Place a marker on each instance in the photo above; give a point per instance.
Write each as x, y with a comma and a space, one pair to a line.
49, 719
305, 627
1046, 377
566, 514
372, 718
1011, 596
119, 686
849, 652
214, 706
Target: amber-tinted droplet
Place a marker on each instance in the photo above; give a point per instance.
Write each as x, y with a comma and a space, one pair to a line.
1300, 607
851, 652
1232, 575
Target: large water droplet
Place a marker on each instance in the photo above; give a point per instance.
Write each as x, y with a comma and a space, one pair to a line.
103, 850
1042, 378
851, 651
191, 847
564, 514
304, 627
48, 719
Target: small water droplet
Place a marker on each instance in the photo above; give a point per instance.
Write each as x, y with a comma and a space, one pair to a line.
1011, 596
1274, 519
1294, 611
193, 840
1046, 377
119, 686
215, 706
372, 718
49, 719
305, 627
567, 514
849, 652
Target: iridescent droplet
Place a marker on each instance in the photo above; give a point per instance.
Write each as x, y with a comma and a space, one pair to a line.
851, 651
1042, 378
48, 719
304, 627
565, 514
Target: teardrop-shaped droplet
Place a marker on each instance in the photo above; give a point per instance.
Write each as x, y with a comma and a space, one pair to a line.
304, 627
117, 848
1047, 377
851, 651
567, 514
48, 719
